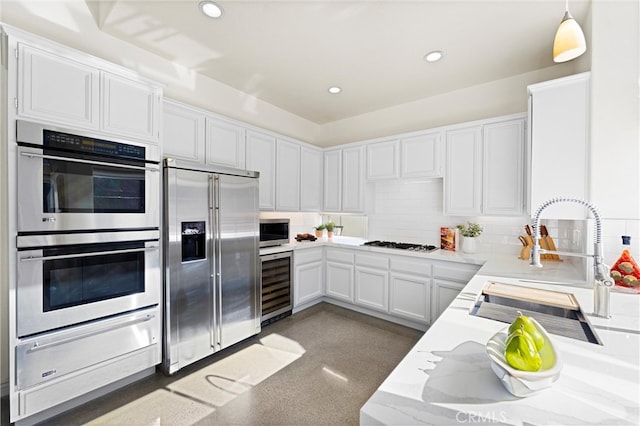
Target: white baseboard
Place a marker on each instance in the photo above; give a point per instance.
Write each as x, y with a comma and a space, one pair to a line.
391, 318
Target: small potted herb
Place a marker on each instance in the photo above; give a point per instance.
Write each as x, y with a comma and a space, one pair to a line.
329, 226
319, 230
469, 233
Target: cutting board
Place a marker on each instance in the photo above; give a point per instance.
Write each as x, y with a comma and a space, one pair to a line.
530, 294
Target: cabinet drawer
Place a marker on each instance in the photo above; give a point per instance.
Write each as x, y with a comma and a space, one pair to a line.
372, 261
301, 257
338, 255
58, 354
461, 272
420, 267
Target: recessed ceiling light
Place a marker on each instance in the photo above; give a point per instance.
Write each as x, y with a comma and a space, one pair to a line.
211, 9
335, 90
434, 56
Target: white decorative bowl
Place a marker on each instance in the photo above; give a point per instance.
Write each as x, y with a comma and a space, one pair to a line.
524, 383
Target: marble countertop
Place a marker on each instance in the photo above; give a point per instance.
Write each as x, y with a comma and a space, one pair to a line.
447, 379
356, 243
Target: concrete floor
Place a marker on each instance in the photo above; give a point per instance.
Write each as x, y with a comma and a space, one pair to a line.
318, 366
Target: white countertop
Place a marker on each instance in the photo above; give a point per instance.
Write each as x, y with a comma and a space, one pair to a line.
356, 243
447, 379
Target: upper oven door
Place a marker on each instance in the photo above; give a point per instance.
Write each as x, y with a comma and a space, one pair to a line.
69, 284
59, 193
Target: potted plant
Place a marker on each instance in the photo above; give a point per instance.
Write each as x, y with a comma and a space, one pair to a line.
319, 230
469, 233
329, 227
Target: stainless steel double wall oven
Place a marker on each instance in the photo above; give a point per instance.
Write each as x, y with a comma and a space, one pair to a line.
88, 288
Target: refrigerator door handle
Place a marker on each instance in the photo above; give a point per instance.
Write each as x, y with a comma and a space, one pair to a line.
217, 258
213, 282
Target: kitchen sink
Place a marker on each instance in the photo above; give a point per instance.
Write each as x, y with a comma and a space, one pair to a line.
559, 313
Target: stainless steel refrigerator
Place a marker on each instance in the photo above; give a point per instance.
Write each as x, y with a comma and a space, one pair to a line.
211, 259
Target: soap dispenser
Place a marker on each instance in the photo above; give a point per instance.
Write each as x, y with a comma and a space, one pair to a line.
625, 271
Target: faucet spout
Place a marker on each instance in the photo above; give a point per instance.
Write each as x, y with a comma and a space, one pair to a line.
602, 280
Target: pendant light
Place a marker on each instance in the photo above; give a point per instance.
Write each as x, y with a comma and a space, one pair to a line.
569, 42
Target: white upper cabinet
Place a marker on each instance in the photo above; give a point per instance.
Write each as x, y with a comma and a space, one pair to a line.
130, 108
225, 143
261, 157
61, 87
310, 179
485, 168
420, 156
183, 130
503, 168
559, 145
382, 160
56, 89
287, 176
353, 179
332, 189
344, 180
463, 175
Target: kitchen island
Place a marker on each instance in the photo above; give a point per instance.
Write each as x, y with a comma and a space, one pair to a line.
447, 379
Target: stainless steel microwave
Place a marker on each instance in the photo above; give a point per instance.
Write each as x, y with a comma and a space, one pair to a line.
274, 232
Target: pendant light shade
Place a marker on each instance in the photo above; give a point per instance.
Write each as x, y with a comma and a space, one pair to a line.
569, 42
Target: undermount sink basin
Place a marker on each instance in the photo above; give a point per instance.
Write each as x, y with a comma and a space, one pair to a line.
559, 313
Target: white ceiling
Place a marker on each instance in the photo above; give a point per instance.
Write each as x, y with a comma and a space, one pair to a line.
288, 53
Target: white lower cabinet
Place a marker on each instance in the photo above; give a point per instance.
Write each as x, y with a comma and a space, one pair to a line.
339, 274
443, 294
372, 288
308, 276
414, 290
409, 296
448, 279
410, 288
340, 281
372, 281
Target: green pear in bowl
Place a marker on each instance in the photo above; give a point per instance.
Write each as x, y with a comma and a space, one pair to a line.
521, 352
529, 327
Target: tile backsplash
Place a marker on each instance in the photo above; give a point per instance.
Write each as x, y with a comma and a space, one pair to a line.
411, 211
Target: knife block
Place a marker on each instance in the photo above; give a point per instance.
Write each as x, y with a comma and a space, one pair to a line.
545, 243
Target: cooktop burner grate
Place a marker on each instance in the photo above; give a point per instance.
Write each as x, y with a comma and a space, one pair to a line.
401, 246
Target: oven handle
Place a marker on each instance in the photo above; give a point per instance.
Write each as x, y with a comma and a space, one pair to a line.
97, 253
97, 163
40, 346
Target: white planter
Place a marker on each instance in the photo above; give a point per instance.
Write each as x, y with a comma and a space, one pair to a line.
469, 245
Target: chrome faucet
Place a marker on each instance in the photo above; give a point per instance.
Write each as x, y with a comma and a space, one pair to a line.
603, 282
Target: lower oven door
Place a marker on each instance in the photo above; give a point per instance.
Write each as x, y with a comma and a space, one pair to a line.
64, 285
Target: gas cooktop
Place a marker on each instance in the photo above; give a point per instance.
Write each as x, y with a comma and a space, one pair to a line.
401, 246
